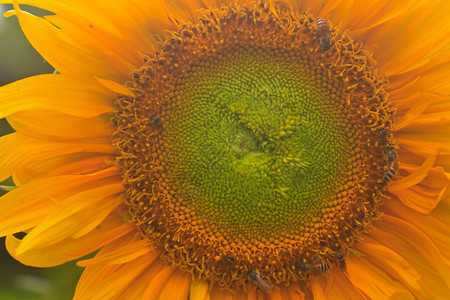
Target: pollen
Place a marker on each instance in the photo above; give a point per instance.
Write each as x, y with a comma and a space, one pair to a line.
254, 148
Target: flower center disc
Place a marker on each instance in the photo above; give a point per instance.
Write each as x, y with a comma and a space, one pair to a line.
249, 145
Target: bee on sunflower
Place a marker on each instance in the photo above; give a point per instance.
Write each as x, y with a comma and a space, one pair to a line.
234, 149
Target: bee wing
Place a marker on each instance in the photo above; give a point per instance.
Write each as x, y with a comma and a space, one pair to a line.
264, 286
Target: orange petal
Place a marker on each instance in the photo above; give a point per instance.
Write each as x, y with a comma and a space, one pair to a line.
432, 281
177, 287
156, 285
418, 240
251, 295
425, 195
414, 112
181, 11
424, 198
136, 288
426, 144
327, 9
295, 292
220, 294
343, 288
394, 264
317, 290
373, 282
108, 25
275, 294
363, 17
414, 46
139, 22
414, 178
435, 229
428, 81
199, 290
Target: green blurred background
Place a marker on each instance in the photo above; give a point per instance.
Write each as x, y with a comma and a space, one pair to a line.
18, 60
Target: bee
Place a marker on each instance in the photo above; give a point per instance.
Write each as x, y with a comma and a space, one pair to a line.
341, 259
314, 267
302, 266
318, 269
227, 259
324, 34
157, 123
383, 133
391, 155
256, 279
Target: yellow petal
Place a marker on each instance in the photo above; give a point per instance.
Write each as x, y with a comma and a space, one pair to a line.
26, 206
108, 282
114, 86
108, 25
55, 125
74, 217
70, 164
121, 255
18, 150
70, 249
82, 97
82, 47
97, 276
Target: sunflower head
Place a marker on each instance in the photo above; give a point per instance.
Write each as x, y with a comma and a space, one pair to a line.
249, 146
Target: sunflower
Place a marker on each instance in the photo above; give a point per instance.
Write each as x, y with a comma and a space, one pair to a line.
234, 149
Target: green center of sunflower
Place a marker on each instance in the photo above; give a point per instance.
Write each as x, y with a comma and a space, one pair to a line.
254, 150
255, 145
